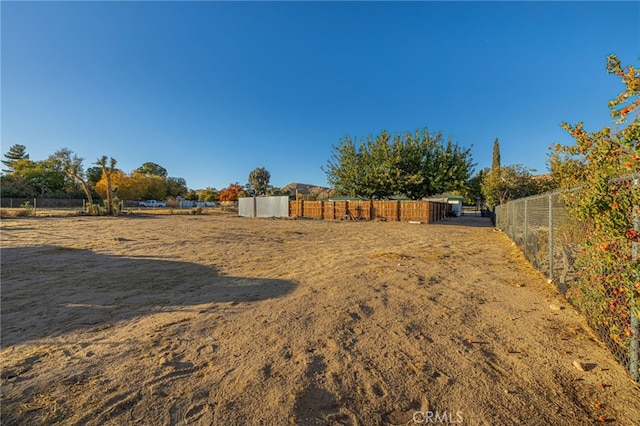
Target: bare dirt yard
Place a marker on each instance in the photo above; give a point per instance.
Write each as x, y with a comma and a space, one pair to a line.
167, 320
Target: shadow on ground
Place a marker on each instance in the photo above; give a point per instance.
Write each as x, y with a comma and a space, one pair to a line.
464, 220
50, 290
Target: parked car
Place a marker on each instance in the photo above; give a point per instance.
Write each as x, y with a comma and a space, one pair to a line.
152, 203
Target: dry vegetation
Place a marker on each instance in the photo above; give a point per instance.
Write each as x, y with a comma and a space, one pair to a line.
216, 319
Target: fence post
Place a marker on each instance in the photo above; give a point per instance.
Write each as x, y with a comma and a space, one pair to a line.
551, 237
526, 226
35, 206
634, 348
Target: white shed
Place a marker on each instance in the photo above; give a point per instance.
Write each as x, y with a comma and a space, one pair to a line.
455, 201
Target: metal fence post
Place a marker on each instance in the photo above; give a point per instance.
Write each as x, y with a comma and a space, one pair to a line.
634, 348
551, 237
526, 226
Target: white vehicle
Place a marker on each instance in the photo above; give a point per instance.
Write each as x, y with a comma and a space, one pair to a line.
152, 203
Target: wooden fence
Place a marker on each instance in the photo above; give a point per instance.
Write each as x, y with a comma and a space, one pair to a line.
391, 210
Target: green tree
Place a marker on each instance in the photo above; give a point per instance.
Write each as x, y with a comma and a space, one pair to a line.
12, 186
508, 183
416, 165
94, 174
175, 186
44, 177
495, 163
150, 168
258, 181
473, 189
345, 168
192, 195
16, 152
209, 194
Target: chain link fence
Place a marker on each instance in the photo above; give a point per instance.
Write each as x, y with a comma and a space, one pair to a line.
551, 239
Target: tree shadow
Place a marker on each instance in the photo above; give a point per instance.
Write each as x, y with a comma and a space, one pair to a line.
50, 290
472, 221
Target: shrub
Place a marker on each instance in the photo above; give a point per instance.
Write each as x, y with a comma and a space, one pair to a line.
606, 166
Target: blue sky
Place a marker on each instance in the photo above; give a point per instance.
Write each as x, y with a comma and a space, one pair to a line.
212, 90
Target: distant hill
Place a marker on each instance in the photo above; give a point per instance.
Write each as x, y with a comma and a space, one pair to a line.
306, 189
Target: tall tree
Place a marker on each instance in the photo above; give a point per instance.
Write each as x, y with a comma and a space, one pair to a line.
513, 181
495, 163
496, 189
176, 186
16, 152
72, 165
259, 181
416, 165
150, 168
345, 169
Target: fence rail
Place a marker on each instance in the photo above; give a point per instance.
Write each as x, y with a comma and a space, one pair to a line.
46, 203
551, 239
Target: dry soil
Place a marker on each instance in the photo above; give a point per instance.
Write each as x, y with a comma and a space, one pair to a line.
225, 320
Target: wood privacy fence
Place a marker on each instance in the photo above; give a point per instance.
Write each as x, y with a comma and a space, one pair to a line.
391, 210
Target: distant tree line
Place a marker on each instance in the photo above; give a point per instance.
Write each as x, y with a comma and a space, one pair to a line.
414, 164
62, 175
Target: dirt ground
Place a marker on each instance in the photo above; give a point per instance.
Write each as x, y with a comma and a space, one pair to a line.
166, 320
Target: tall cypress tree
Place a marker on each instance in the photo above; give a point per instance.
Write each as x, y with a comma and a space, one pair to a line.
495, 165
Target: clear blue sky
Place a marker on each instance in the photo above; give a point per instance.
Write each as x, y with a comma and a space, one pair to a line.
212, 90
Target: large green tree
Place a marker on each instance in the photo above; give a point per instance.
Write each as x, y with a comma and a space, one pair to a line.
495, 161
150, 168
258, 181
176, 186
508, 183
37, 178
416, 165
